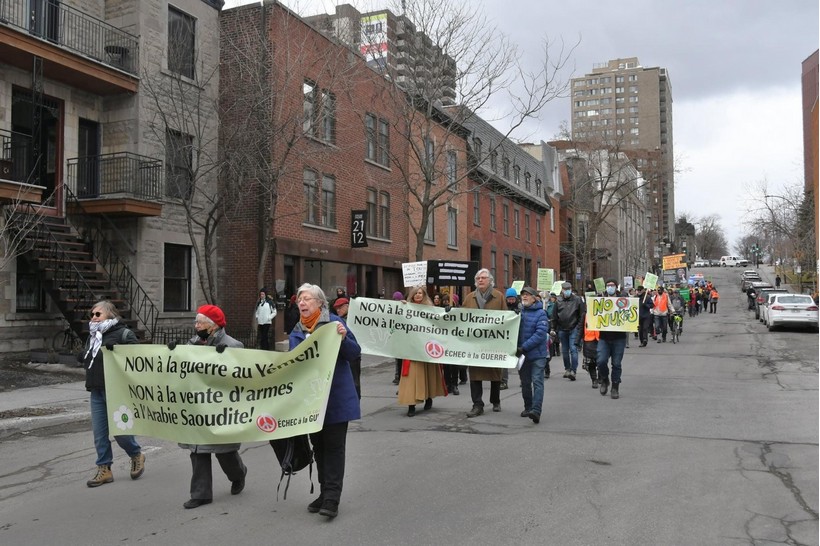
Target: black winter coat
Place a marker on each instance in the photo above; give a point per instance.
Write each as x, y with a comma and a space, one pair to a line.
94, 371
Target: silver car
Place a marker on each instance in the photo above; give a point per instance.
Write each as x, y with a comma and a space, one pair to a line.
791, 310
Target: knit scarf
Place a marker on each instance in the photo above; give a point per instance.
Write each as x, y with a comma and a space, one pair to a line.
96, 331
482, 297
310, 322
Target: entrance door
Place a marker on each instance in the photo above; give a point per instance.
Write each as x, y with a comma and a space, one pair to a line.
88, 166
45, 169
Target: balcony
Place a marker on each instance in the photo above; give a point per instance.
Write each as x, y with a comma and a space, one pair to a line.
118, 184
16, 168
77, 48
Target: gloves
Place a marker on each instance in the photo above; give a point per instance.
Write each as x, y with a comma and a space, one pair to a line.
220, 348
109, 346
519, 351
172, 345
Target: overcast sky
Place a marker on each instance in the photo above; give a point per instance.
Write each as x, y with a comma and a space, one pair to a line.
734, 66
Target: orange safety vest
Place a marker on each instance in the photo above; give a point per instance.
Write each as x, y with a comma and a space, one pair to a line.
662, 302
715, 295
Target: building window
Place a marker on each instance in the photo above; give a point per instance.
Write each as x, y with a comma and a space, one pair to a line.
320, 203
179, 174
311, 198
527, 177
516, 223
452, 227
493, 262
384, 215
538, 187
633, 98
505, 218
372, 212
552, 219
505, 168
177, 278
476, 207
517, 175
493, 225
429, 152
181, 38
452, 169
328, 204
477, 149
30, 293
494, 161
377, 134
430, 232
527, 227
506, 269
538, 231
318, 112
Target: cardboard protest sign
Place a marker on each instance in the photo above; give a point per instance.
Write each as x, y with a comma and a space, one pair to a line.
518, 285
650, 281
546, 278
195, 395
414, 273
673, 261
424, 333
600, 285
629, 282
612, 314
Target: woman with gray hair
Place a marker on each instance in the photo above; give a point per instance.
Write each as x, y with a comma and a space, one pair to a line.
342, 404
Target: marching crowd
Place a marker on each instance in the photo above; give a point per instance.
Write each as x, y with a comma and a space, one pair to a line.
551, 325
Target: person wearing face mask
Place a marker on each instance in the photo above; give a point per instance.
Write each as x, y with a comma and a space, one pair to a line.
611, 346
532, 343
645, 306
210, 330
567, 320
106, 330
661, 313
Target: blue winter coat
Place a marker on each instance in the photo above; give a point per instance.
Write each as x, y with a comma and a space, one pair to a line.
343, 403
533, 331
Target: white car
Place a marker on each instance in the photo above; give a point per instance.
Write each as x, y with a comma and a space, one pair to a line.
791, 310
701, 263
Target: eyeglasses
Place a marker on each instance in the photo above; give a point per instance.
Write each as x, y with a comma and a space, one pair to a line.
305, 299
482, 278
97, 314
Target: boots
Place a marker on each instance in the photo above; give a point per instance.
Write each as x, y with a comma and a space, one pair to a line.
137, 466
103, 475
615, 394
428, 403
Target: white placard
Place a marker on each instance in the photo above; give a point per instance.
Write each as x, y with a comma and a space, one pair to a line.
415, 273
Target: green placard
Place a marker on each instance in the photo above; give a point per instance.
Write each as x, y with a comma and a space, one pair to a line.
518, 285
650, 281
684, 294
546, 278
600, 285
556, 287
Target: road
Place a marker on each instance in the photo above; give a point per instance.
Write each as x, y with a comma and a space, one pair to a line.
713, 441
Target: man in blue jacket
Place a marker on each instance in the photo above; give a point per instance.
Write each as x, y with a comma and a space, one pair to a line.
532, 344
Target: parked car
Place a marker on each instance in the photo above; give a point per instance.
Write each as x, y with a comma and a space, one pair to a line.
791, 310
746, 281
764, 307
762, 296
714, 263
701, 263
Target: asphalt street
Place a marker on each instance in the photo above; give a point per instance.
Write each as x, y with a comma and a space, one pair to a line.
713, 441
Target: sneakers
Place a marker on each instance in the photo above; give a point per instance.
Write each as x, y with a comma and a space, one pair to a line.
103, 475
137, 466
329, 509
454, 390
572, 376
525, 413
316, 505
566, 374
615, 394
594, 383
536, 418
503, 386
604, 386
496, 407
475, 412
239, 485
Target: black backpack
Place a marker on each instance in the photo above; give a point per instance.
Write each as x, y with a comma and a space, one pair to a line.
294, 454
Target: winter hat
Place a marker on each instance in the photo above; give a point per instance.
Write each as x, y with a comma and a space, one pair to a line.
511, 293
454, 299
531, 291
214, 313
398, 296
339, 302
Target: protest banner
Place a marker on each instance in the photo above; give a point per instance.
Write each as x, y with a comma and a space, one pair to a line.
650, 281
414, 273
518, 285
612, 314
588, 295
684, 294
195, 395
545, 280
600, 285
673, 261
451, 272
424, 333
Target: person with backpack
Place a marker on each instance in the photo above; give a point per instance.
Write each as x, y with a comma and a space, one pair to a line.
342, 404
264, 315
106, 329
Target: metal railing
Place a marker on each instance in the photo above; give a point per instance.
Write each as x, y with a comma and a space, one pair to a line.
74, 30
118, 271
117, 174
16, 149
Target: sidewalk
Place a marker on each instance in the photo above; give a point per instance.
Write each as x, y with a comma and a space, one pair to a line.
24, 410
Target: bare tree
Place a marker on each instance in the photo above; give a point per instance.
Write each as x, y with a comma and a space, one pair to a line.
710, 239
451, 66
275, 103
183, 103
